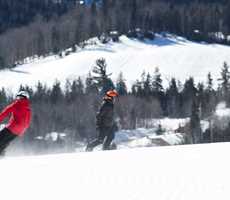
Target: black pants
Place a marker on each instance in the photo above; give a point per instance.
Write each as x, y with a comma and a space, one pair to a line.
105, 137
5, 138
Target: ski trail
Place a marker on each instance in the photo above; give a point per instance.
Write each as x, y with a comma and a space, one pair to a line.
162, 173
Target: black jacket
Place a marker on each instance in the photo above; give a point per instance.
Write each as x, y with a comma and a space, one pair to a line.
105, 116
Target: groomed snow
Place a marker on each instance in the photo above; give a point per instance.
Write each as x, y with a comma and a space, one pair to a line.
195, 172
174, 56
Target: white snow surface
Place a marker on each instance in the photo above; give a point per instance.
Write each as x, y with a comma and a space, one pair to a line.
174, 56
163, 173
222, 110
142, 137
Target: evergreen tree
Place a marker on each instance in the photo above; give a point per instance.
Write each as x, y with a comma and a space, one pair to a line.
94, 29
209, 83
157, 82
80, 87
104, 83
226, 17
40, 44
40, 93
134, 18
105, 15
201, 100
147, 86
3, 98
188, 95
173, 99
121, 86
134, 88
209, 97
56, 94
76, 89
137, 89
91, 87
55, 36
158, 90
195, 124
2, 63
225, 81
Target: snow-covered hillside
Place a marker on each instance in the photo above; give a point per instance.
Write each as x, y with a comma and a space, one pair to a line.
175, 57
163, 173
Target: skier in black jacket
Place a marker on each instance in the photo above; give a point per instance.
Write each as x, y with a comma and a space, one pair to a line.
105, 125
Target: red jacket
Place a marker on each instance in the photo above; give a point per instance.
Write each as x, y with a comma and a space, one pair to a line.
20, 116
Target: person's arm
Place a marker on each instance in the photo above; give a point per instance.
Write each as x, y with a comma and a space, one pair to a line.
6, 111
101, 114
104, 115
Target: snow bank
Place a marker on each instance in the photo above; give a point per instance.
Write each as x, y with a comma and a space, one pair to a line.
142, 137
222, 110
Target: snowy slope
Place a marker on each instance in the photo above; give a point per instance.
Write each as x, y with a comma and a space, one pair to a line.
196, 172
175, 57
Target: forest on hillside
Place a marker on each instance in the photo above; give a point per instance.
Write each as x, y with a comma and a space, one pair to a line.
72, 110
31, 28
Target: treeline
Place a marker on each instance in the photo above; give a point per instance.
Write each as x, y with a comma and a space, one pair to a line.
71, 109
69, 23
15, 13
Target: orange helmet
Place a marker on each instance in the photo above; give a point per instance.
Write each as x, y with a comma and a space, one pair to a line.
112, 93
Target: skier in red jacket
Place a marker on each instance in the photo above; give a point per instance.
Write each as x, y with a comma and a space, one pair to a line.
20, 117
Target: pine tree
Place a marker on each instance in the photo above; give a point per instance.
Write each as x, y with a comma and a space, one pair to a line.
104, 83
91, 87
173, 99
40, 93
76, 89
105, 15
55, 36
209, 82
56, 94
196, 132
201, 100
2, 63
225, 81
94, 29
134, 89
137, 89
209, 97
188, 95
40, 44
158, 90
147, 87
3, 98
157, 82
134, 18
121, 86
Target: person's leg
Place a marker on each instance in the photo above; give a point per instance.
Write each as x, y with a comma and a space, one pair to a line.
107, 142
5, 138
96, 142
93, 144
